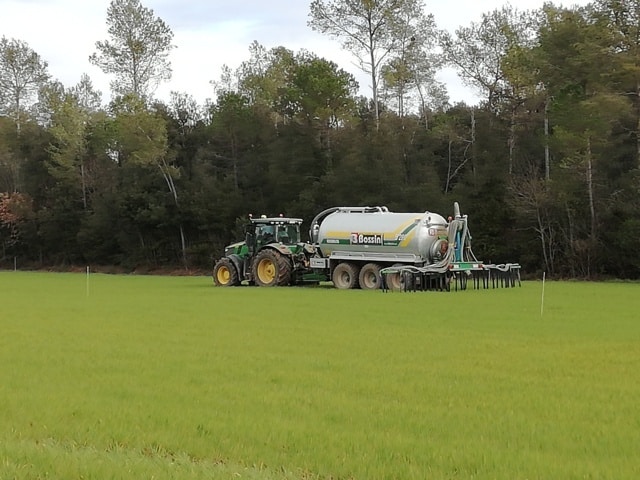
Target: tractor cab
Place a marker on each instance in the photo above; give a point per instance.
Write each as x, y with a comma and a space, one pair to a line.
265, 231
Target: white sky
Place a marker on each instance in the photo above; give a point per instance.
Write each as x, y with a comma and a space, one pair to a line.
208, 34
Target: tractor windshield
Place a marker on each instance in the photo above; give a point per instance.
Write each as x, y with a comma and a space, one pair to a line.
265, 234
288, 234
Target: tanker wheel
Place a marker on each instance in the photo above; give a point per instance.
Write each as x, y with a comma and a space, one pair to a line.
345, 276
225, 273
395, 281
408, 282
370, 276
271, 268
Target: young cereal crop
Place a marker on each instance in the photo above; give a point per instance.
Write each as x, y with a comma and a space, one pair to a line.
168, 377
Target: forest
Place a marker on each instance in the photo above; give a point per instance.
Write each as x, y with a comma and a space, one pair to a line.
546, 165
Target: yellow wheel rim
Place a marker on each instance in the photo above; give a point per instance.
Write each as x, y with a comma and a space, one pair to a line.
266, 271
224, 275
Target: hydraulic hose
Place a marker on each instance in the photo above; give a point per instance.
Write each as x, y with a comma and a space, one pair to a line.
313, 232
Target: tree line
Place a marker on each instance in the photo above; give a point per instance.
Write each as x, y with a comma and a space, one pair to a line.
546, 164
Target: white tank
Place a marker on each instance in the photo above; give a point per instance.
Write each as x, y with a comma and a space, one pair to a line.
420, 238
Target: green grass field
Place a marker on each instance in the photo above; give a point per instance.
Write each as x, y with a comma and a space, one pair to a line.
137, 377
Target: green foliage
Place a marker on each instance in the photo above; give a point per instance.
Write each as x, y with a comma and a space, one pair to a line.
140, 135
546, 169
171, 377
22, 73
319, 92
137, 51
377, 34
484, 50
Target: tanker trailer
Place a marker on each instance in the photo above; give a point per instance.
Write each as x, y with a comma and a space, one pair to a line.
371, 247
354, 244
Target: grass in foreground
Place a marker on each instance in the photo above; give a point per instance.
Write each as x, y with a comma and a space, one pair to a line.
169, 377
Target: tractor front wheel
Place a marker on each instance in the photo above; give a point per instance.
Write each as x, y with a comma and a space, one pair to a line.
225, 273
271, 268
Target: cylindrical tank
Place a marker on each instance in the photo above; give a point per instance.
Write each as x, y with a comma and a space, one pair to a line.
376, 231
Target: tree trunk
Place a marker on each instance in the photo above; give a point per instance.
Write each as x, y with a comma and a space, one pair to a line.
547, 167
473, 145
374, 87
183, 244
543, 240
571, 241
638, 128
512, 138
84, 185
18, 119
164, 168
446, 188
423, 105
592, 208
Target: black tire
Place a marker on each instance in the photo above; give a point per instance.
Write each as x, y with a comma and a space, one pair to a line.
395, 281
369, 277
271, 269
345, 276
225, 273
408, 282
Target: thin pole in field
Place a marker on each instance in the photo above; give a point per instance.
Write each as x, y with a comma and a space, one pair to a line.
544, 274
15, 264
87, 280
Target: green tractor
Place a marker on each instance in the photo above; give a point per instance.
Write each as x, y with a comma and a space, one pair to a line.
271, 255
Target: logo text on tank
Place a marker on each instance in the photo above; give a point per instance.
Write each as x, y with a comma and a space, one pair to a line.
366, 238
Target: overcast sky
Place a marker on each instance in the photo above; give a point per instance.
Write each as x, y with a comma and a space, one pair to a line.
208, 34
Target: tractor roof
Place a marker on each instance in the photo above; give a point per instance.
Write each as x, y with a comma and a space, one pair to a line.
277, 221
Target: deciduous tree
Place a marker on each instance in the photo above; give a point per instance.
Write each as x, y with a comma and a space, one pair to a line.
22, 73
409, 73
479, 50
622, 19
372, 30
137, 51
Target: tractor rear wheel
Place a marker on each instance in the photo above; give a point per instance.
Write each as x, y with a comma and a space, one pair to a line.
370, 276
225, 273
271, 269
345, 276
